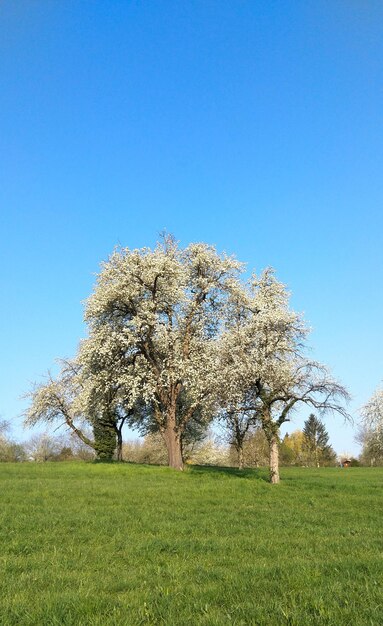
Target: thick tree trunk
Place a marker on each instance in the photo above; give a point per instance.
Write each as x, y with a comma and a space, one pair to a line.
172, 438
274, 460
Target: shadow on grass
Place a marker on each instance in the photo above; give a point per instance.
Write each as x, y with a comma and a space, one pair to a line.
214, 470
217, 471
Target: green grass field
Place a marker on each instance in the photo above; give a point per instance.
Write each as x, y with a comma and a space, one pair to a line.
122, 544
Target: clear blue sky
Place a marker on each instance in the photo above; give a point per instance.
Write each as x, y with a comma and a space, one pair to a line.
256, 126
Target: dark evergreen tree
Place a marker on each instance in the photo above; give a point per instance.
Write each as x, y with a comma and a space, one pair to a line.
105, 441
316, 440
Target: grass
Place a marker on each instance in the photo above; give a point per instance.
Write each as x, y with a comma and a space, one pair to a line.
87, 544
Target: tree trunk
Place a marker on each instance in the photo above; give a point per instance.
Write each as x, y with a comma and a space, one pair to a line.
79, 433
240, 457
274, 460
119, 445
172, 438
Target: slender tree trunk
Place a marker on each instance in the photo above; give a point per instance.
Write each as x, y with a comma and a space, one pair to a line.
79, 433
274, 460
172, 438
240, 457
119, 445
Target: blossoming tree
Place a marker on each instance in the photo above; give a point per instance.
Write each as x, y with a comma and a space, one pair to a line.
371, 434
176, 338
265, 374
69, 400
163, 309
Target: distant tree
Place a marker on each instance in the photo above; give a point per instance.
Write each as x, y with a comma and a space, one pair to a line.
65, 454
372, 446
43, 447
150, 450
237, 427
286, 452
255, 449
292, 449
10, 451
209, 452
5, 427
370, 434
316, 441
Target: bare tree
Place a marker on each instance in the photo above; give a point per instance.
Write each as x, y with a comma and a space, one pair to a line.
237, 426
43, 447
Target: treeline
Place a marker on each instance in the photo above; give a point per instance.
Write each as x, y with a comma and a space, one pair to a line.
42, 447
309, 447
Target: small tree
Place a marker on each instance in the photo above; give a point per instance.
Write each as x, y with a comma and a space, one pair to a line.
10, 451
255, 449
292, 450
237, 427
307, 383
42, 448
316, 440
265, 372
150, 450
287, 455
210, 451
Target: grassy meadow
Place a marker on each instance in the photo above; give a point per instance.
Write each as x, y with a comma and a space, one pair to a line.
92, 544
